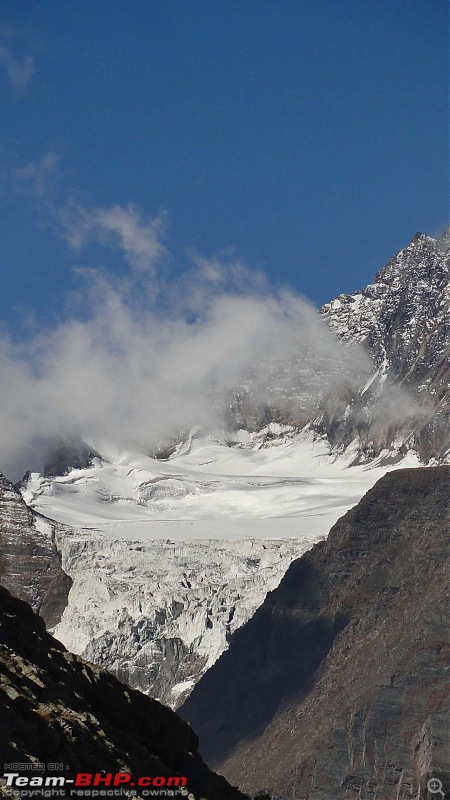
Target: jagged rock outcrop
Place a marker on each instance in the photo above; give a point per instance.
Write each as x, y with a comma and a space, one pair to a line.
403, 318
403, 321
30, 564
337, 688
56, 708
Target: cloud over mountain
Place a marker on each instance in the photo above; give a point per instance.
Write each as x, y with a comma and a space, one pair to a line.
142, 354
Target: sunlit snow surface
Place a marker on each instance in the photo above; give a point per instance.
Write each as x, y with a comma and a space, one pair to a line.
169, 558
254, 487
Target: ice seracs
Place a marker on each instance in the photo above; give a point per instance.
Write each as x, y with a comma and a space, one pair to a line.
169, 558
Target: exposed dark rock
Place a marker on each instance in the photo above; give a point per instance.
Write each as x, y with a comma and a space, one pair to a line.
57, 708
337, 687
403, 317
66, 453
30, 565
403, 321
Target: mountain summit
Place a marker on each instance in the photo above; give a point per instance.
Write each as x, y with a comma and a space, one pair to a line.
403, 321
403, 318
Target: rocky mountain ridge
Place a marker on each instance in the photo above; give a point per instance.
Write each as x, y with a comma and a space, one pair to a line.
337, 687
403, 321
403, 317
56, 708
387, 391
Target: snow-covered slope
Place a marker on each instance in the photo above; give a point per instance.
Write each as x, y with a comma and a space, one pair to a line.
222, 485
169, 558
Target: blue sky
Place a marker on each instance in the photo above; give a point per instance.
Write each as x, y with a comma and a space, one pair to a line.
308, 137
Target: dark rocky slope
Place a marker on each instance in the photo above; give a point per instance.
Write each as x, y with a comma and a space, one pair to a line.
30, 565
337, 687
54, 707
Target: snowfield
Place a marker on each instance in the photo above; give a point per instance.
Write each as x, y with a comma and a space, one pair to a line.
211, 488
169, 558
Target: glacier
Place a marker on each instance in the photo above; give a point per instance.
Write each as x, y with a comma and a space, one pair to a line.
170, 557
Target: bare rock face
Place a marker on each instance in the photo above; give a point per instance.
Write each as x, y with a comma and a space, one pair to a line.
403, 321
30, 565
56, 708
336, 689
403, 318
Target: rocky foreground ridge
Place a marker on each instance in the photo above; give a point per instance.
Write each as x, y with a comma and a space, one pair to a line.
56, 708
337, 688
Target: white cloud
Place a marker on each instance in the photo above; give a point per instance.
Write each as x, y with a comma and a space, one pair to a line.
132, 374
150, 355
39, 178
138, 240
121, 228
18, 68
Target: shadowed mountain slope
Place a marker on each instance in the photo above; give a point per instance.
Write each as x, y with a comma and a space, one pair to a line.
337, 687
